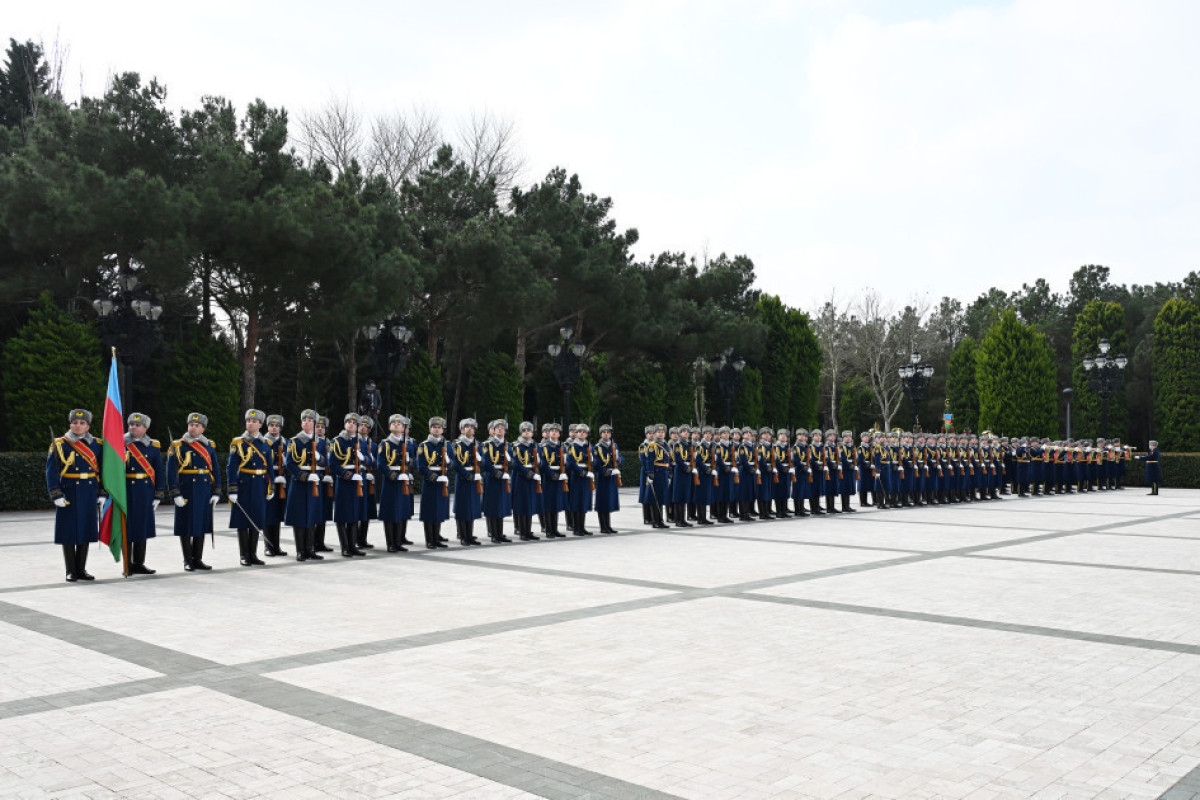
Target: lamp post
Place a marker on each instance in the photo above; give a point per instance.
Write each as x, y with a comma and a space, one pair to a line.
915, 377
729, 380
568, 361
390, 341
127, 323
1105, 374
1067, 392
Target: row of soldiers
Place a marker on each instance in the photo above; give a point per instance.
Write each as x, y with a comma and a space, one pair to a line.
307, 480
743, 473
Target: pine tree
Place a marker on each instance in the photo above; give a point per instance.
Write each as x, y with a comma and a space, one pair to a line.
51, 366
418, 394
641, 394
1098, 320
961, 387
202, 375
1014, 371
494, 390
1177, 376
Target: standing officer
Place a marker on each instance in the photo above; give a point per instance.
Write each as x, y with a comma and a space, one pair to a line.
396, 456
250, 475
433, 461
276, 505
348, 463
656, 472
580, 466
370, 502
765, 453
608, 460
643, 486
145, 485
318, 532
781, 455
195, 488
818, 469
306, 463
801, 477
866, 468
1153, 459
468, 484
554, 479
526, 482
496, 468
847, 483
73, 481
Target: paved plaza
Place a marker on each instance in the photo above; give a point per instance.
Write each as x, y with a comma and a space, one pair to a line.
1045, 647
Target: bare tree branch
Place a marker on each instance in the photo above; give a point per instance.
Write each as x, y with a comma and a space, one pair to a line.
883, 340
488, 144
402, 144
332, 134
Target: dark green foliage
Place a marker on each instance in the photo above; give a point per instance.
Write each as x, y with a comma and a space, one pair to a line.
806, 371
856, 407
961, 388
641, 394
1098, 320
680, 406
791, 366
748, 402
1177, 376
23, 482
417, 394
51, 366
201, 375
494, 391
585, 402
1015, 375
1179, 471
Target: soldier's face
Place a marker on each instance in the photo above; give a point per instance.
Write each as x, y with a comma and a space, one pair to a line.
79, 426
606, 436
253, 426
319, 428
351, 427
274, 428
435, 431
195, 429
307, 426
137, 431
468, 431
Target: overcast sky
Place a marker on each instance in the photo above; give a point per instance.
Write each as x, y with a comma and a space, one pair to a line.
922, 147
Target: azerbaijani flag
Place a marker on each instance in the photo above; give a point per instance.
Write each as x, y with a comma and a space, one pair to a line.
112, 469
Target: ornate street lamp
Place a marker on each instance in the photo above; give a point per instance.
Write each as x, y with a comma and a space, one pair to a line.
568, 364
1105, 375
729, 380
915, 377
127, 322
391, 342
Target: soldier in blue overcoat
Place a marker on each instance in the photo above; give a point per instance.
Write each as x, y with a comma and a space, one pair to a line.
496, 467
608, 462
1153, 459
327, 490
277, 503
348, 466
581, 475
307, 462
468, 484
73, 481
145, 486
526, 482
396, 457
369, 500
194, 483
433, 466
250, 475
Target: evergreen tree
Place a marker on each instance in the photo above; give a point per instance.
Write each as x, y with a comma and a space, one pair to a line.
1098, 320
418, 394
961, 388
806, 371
1014, 370
51, 366
856, 406
1177, 376
202, 375
747, 403
494, 390
585, 402
640, 398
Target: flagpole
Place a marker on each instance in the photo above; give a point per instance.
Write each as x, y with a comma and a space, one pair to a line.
125, 542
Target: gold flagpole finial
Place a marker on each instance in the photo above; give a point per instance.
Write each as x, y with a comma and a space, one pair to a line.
114, 352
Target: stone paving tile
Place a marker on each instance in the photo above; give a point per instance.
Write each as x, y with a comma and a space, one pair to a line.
36, 665
794, 702
252, 614
197, 743
694, 561
869, 528
1184, 527
1168, 554
1142, 605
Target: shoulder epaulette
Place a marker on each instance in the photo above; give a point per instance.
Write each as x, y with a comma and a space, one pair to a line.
155, 443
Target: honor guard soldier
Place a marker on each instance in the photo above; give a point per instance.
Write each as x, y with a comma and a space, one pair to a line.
764, 453
702, 490
656, 469
433, 465
348, 463
818, 470
750, 474
881, 457
496, 468
73, 481
526, 482
145, 486
608, 460
195, 488
581, 474
277, 503
370, 501
1153, 459
681, 476
250, 475
801, 477
306, 463
833, 475
847, 482
396, 456
726, 473
643, 489
468, 485
781, 457
554, 479
866, 468
318, 543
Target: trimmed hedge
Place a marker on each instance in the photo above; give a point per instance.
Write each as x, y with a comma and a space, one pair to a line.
1179, 471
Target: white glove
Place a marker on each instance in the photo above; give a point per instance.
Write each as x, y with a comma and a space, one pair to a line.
319, 456
792, 471
758, 472
327, 479
734, 470
554, 467
314, 477
506, 477
362, 456
61, 502
100, 501
404, 477
562, 477
443, 479
232, 498
591, 475
478, 478
371, 477
280, 479
356, 477
212, 501
154, 505
179, 501
616, 472
270, 496
537, 478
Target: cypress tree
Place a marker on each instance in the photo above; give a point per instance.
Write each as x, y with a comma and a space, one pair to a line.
201, 375
494, 390
748, 402
1098, 320
1177, 376
418, 394
961, 388
1014, 370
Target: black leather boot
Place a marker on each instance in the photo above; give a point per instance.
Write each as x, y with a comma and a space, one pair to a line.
185, 545
316, 540
81, 556
301, 550
702, 515
198, 553
137, 559
830, 505
272, 536
341, 534
846, 509
243, 546
360, 540
681, 516
402, 533
69, 562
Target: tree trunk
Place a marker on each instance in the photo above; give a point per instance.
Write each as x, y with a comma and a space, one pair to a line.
519, 359
458, 376
249, 360
206, 293
351, 352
